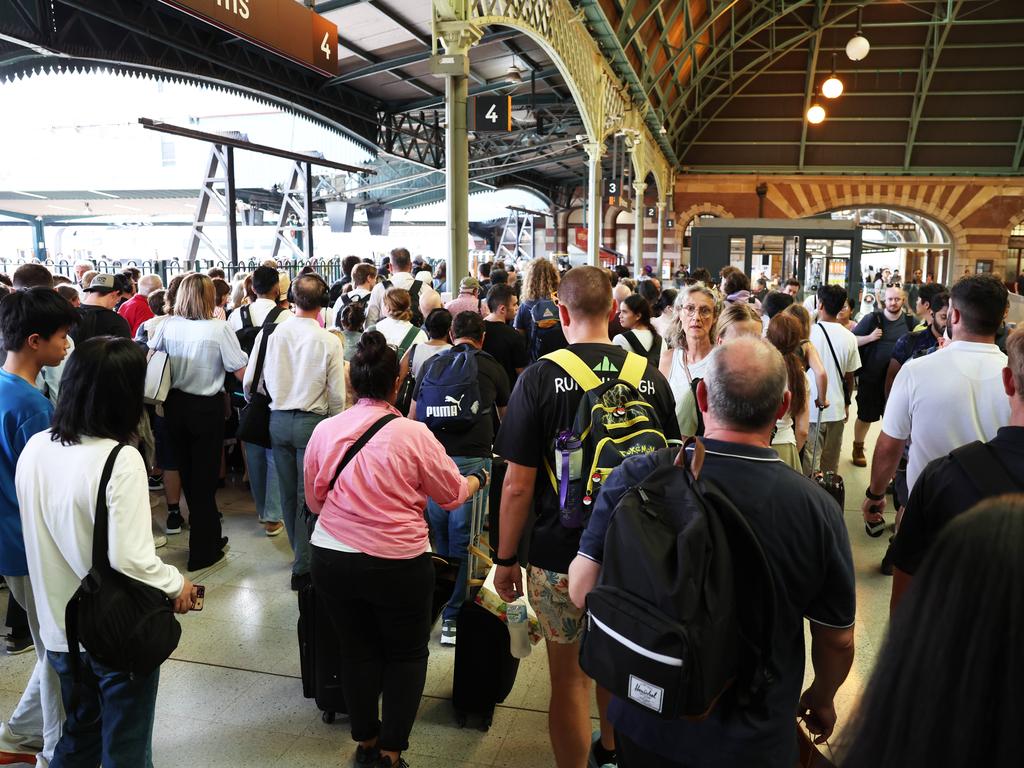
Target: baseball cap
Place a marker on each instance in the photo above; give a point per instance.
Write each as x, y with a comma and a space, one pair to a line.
103, 283
469, 284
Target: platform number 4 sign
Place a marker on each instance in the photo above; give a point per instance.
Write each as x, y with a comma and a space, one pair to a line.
492, 113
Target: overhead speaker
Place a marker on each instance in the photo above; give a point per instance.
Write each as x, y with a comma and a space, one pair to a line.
340, 215
378, 218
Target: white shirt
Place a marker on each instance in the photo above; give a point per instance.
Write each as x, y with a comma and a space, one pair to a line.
258, 312
200, 352
646, 339
679, 380
48, 380
57, 518
375, 309
422, 353
845, 345
395, 331
355, 293
947, 399
304, 369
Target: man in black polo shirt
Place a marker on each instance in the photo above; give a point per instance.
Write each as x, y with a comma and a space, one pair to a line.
470, 450
947, 488
742, 394
543, 404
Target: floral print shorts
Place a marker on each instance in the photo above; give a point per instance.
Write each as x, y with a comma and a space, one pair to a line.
560, 621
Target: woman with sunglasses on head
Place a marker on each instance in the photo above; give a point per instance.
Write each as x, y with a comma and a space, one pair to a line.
689, 344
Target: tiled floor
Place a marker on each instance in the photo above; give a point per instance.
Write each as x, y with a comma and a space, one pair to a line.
231, 695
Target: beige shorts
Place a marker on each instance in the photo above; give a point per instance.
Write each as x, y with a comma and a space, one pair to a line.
560, 621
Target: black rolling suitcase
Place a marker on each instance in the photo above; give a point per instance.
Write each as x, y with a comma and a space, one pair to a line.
319, 657
485, 669
830, 482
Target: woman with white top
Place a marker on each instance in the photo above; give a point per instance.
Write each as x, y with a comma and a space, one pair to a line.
639, 336
200, 350
397, 327
689, 344
100, 407
437, 325
786, 334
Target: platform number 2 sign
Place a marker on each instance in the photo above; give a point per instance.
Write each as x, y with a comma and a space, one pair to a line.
492, 113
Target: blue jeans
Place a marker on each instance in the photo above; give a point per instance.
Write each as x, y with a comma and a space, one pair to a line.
113, 723
289, 434
451, 531
263, 482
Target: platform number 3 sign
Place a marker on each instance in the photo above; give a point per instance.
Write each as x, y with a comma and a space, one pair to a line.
492, 113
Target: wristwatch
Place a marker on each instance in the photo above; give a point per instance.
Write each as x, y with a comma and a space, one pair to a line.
505, 562
873, 496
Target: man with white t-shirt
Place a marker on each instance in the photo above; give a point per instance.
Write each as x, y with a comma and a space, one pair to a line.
364, 278
837, 348
401, 277
946, 399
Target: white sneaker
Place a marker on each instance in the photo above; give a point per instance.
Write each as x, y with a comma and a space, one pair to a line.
448, 632
13, 745
159, 540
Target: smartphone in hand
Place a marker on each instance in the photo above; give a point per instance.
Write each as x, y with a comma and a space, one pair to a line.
198, 597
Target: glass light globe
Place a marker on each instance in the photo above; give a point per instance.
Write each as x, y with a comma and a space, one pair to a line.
858, 47
816, 114
832, 88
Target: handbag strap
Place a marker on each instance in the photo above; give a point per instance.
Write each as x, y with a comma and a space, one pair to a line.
835, 358
100, 559
260, 358
358, 445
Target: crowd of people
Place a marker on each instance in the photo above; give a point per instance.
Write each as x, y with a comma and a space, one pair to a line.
391, 403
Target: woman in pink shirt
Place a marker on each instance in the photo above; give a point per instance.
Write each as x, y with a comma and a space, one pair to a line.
370, 552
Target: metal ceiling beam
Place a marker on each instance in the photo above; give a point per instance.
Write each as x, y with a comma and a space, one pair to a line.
929, 61
488, 88
1018, 152
401, 74
552, 81
654, 8
333, 5
813, 50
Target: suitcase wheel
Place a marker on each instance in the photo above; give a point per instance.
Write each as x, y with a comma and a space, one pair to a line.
328, 717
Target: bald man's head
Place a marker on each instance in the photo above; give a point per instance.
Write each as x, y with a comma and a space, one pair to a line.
746, 382
621, 292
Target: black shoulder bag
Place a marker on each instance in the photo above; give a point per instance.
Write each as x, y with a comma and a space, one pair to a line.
847, 394
123, 624
254, 418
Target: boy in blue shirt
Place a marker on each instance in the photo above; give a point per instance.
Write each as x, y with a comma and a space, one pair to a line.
34, 324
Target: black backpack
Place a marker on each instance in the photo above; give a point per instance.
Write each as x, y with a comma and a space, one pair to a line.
613, 421
449, 392
546, 329
414, 294
247, 340
653, 354
684, 607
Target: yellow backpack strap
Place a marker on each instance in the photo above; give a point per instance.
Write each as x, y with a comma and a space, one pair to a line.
633, 369
571, 363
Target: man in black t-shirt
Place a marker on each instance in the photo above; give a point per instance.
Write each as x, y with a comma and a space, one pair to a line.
470, 450
877, 334
543, 404
946, 489
501, 340
97, 310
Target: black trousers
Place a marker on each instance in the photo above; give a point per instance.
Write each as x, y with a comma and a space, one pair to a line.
632, 755
381, 612
17, 620
195, 425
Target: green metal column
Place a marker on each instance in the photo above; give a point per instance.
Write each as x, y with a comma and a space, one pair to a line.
595, 150
39, 238
456, 175
661, 239
639, 187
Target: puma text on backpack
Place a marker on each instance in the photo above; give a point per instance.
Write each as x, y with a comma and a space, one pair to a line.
449, 394
684, 606
546, 335
414, 294
613, 421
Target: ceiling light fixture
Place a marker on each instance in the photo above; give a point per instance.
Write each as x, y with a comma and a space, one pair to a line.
816, 112
514, 74
833, 87
858, 47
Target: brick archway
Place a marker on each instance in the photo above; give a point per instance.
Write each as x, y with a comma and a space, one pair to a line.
687, 216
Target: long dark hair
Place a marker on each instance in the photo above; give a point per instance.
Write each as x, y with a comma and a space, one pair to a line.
946, 689
101, 391
786, 335
374, 367
639, 306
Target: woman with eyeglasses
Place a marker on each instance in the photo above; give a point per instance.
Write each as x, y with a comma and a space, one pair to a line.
689, 344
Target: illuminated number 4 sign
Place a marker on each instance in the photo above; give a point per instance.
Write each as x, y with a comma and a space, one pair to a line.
492, 113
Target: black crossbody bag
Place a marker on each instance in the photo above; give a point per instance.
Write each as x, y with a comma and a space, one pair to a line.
123, 624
